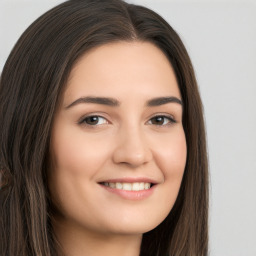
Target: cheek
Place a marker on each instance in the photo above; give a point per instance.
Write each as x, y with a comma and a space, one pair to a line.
76, 160
171, 155
171, 159
76, 153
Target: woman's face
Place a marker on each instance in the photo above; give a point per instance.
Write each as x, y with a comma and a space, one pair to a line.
118, 146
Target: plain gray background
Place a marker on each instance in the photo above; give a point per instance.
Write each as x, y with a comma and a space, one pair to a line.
221, 39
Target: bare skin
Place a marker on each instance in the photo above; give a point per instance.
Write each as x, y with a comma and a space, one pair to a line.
76, 241
118, 150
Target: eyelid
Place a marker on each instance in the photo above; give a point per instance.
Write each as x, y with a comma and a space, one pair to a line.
164, 115
82, 119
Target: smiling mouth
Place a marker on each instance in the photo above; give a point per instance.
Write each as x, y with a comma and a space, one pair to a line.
135, 186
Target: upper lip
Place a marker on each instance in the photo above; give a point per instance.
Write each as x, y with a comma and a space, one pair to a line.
130, 180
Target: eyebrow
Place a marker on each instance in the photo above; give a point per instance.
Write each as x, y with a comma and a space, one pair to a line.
163, 100
96, 100
115, 103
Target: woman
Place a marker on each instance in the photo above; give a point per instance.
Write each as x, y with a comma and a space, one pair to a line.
102, 137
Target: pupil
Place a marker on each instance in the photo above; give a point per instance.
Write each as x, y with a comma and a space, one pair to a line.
92, 120
158, 120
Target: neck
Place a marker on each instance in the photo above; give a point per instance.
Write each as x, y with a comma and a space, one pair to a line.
76, 241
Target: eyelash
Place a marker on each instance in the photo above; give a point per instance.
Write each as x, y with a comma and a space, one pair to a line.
170, 121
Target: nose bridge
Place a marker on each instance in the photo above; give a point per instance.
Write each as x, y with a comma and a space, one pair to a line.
132, 146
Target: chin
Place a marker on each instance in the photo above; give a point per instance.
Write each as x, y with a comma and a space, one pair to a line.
135, 226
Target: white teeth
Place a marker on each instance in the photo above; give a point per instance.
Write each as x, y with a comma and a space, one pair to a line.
119, 185
141, 185
136, 186
147, 185
127, 186
112, 185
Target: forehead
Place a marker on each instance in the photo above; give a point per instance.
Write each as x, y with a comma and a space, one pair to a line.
122, 68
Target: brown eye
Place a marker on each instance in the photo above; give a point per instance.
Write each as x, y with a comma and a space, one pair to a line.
162, 120
93, 120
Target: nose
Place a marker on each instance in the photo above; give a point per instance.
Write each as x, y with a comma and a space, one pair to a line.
132, 148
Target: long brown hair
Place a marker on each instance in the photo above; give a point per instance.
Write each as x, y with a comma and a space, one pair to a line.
32, 82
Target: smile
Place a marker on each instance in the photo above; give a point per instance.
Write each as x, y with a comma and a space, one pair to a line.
136, 186
130, 188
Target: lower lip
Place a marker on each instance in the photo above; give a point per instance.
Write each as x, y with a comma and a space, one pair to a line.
129, 194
